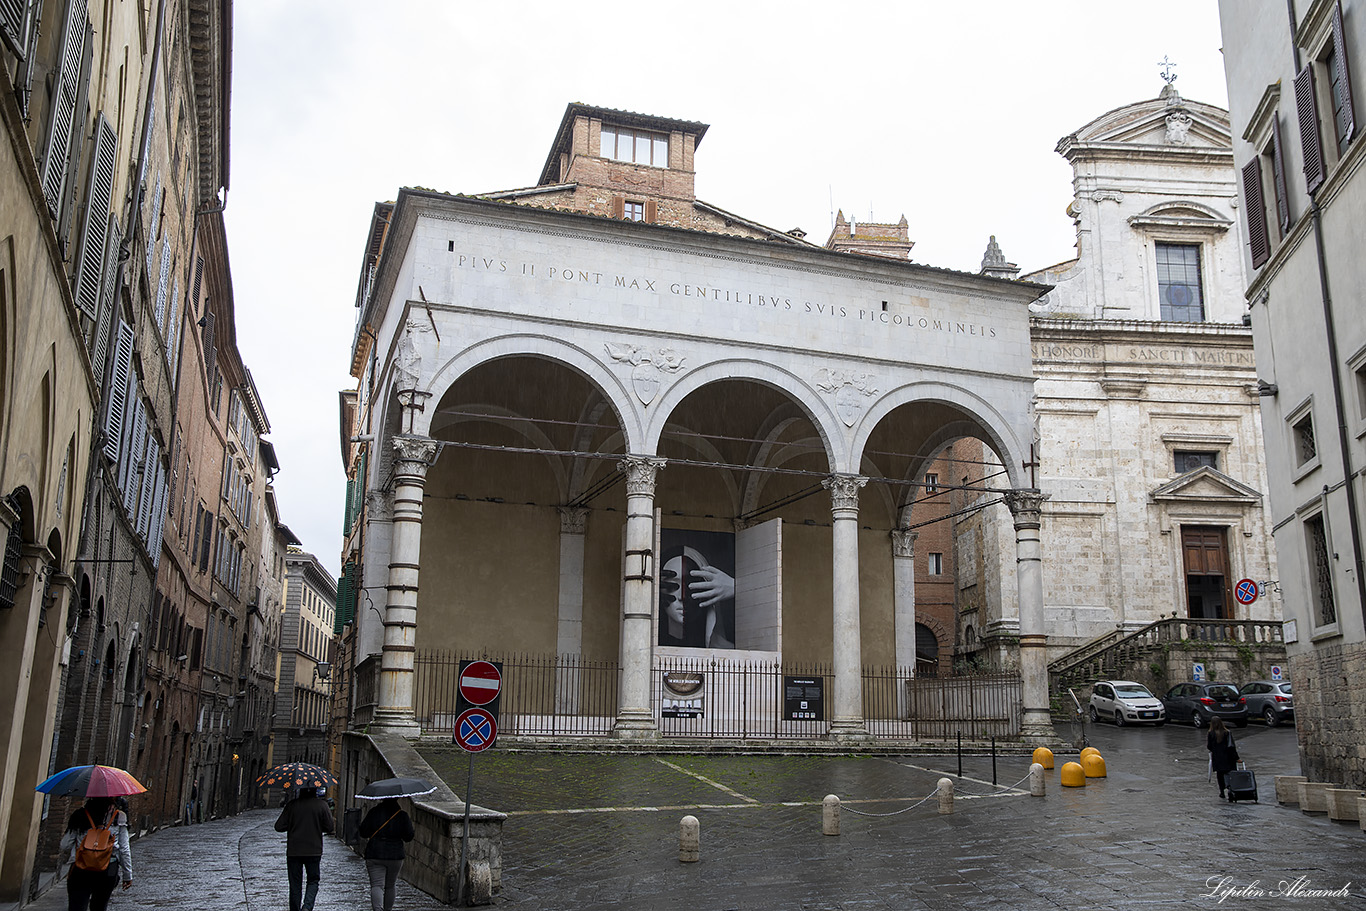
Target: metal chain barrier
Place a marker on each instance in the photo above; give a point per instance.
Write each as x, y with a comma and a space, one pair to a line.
844, 807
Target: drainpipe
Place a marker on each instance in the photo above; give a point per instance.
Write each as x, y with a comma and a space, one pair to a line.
1315, 215
1348, 483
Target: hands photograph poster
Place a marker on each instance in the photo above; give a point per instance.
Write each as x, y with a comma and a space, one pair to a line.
697, 589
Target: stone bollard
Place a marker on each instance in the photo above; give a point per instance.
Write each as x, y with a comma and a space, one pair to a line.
1312, 799
1361, 812
830, 815
689, 840
1342, 804
1036, 780
479, 883
1288, 788
945, 792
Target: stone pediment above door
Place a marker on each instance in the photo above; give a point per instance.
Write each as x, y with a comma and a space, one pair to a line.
1205, 485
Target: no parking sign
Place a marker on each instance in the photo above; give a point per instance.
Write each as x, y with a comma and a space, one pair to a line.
1245, 591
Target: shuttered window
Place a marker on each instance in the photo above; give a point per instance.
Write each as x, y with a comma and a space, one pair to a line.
1278, 177
163, 283
155, 226
100, 342
1340, 81
136, 455
14, 25
118, 394
172, 329
90, 261
67, 97
1307, 111
1254, 204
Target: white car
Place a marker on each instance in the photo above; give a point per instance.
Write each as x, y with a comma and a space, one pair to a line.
1125, 702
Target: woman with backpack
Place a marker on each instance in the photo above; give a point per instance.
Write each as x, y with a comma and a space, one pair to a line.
387, 827
95, 844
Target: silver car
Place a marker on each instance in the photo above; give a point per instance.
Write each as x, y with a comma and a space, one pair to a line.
1125, 702
1271, 700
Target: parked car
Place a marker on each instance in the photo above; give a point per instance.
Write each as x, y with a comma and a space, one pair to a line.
1199, 702
1270, 699
1125, 702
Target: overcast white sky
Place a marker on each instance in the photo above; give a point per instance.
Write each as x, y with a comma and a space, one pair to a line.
947, 113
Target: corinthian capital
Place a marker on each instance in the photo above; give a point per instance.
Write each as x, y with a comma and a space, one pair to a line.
640, 474
415, 449
844, 490
1025, 506
903, 542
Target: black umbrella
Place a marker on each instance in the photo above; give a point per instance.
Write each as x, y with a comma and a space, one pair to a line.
396, 787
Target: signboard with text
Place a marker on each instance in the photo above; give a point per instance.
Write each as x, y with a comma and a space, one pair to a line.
804, 698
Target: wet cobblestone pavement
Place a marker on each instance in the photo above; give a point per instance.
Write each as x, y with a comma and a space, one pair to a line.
601, 831
235, 864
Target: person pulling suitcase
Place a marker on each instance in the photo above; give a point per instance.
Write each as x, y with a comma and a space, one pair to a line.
1223, 752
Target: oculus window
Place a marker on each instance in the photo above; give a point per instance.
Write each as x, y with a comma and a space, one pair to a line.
1178, 282
1189, 460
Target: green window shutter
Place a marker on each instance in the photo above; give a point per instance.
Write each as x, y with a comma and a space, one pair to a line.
350, 499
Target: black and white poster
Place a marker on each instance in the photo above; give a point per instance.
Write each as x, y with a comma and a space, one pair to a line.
697, 589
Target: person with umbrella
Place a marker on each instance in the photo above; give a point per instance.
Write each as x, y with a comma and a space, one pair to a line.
305, 820
95, 865
387, 827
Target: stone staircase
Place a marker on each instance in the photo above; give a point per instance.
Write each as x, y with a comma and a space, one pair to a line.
1162, 654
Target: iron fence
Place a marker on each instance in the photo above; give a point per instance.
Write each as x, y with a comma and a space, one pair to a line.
722, 698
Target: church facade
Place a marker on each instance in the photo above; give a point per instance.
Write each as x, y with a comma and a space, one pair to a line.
1150, 449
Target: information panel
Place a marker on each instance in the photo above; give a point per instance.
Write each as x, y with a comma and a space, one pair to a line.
804, 698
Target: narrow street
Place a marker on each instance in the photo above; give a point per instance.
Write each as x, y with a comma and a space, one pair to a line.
600, 831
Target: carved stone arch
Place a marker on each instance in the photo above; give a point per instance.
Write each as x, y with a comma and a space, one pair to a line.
1182, 208
591, 367
769, 453
943, 637
982, 420
535, 438
8, 303
801, 393
585, 472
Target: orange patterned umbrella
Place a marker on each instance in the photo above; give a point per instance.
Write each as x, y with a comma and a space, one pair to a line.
295, 775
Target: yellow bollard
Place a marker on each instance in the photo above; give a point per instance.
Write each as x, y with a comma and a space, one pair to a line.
1089, 751
1093, 766
1072, 775
1044, 757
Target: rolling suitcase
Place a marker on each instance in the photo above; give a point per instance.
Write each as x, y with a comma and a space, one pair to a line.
1241, 784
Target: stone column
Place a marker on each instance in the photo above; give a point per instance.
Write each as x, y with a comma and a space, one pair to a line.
635, 720
847, 721
569, 636
1025, 506
903, 595
394, 713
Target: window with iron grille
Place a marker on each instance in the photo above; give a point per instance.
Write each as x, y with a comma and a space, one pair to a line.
1187, 460
1320, 572
9, 573
1305, 448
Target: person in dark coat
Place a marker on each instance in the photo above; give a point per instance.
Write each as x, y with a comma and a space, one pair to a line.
1223, 753
387, 827
92, 888
305, 820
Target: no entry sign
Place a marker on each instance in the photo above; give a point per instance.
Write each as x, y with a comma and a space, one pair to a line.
480, 682
475, 730
1245, 591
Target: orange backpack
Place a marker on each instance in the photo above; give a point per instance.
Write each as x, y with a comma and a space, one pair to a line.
96, 847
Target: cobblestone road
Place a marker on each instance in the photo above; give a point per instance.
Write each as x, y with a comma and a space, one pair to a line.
595, 831
600, 831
